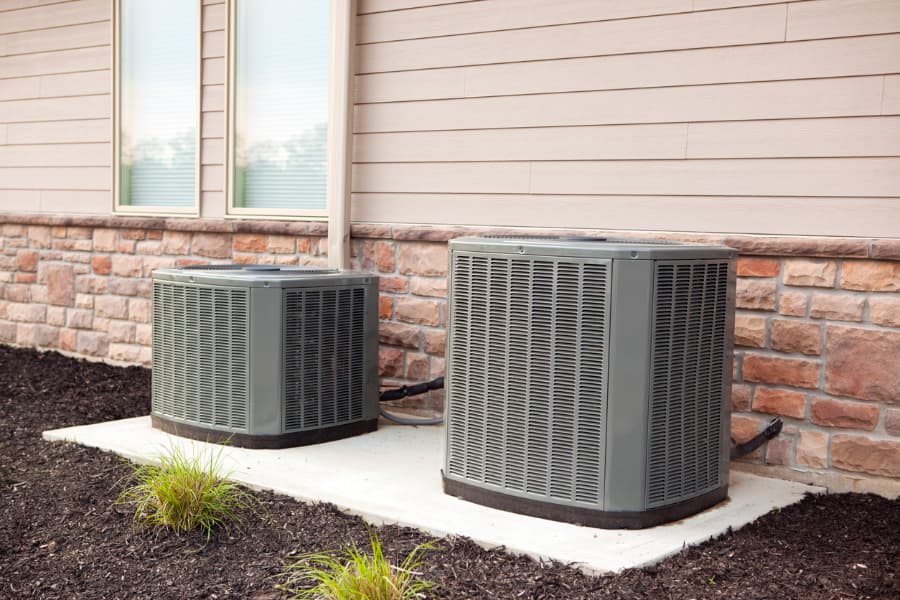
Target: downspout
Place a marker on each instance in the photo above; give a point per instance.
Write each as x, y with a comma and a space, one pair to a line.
340, 132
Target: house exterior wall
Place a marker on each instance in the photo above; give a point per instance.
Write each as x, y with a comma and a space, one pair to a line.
771, 127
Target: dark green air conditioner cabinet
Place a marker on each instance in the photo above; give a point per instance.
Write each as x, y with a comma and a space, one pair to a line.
263, 356
589, 380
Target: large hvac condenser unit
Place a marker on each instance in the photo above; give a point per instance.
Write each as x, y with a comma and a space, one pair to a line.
589, 380
264, 356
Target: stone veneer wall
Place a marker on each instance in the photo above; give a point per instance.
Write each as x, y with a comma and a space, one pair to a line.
817, 329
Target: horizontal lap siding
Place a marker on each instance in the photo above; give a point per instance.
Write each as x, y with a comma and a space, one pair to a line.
212, 109
55, 106
744, 116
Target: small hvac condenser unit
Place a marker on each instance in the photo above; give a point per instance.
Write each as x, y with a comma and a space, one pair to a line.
264, 356
589, 380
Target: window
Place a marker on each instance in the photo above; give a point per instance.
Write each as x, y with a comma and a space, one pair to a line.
279, 100
157, 106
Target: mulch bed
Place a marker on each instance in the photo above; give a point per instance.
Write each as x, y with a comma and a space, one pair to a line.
61, 536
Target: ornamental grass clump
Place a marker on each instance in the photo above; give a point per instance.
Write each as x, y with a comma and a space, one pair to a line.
356, 575
185, 493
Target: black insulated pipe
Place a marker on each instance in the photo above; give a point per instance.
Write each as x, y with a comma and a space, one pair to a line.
745, 448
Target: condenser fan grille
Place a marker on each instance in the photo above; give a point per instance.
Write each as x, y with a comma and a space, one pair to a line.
200, 354
528, 368
687, 378
323, 357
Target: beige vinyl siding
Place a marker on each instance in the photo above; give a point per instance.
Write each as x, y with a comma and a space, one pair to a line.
212, 109
55, 106
710, 115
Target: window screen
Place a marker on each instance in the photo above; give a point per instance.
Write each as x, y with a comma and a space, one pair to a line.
158, 102
280, 104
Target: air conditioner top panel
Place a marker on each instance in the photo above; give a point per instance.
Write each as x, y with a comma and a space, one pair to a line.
263, 276
591, 247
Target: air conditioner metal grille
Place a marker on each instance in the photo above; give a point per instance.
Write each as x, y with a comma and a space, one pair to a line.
528, 369
687, 378
200, 354
323, 357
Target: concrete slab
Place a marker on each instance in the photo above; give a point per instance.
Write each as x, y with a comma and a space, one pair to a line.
393, 476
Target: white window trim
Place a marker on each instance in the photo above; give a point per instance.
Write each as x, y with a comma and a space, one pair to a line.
339, 132
160, 211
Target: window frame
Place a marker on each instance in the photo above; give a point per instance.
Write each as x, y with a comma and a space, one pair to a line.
338, 140
192, 210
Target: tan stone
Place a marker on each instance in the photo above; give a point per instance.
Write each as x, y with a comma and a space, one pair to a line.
438, 367
398, 334
80, 319
17, 293
125, 247
434, 341
779, 450
176, 242
152, 263
92, 343
26, 260
128, 353
866, 455
884, 311
807, 272
212, 245
77, 245
838, 413
779, 402
124, 286
390, 362
417, 367
249, 242
829, 247
132, 234
143, 334
127, 266
121, 331
8, 332
280, 244
139, 310
68, 340
36, 335
149, 248
743, 429
101, 265
755, 294
812, 449
749, 331
757, 267
863, 363
105, 240
56, 316
39, 236
781, 371
12, 230
892, 421
886, 249
867, 275
26, 313
435, 287
837, 307
416, 310
417, 258
796, 336
111, 307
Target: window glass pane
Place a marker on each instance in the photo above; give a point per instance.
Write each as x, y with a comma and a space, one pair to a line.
158, 102
281, 103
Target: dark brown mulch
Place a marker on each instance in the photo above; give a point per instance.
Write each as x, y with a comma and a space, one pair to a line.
62, 537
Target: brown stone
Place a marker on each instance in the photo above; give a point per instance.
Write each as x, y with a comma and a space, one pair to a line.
417, 368
127, 266
280, 244
812, 449
390, 362
154, 234
435, 287
422, 259
125, 246
385, 307
415, 310
132, 234
779, 451
863, 363
438, 367
780, 371
757, 267
808, 272
60, 281
434, 341
892, 421
111, 307
793, 304
212, 245
755, 294
796, 336
370, 230
26, 277
779, 402
17, 293
35, 335
398, 334
67, 340
92, 285
866, 455
26, 260
58, 231
829, 247
303, 245
884, 311
101, 264
868, 275
78, 245
397, 285
384, 257
176, 242
749, 331
889, 249
838, 413
92, 343
249, 242
743, 429
837, 307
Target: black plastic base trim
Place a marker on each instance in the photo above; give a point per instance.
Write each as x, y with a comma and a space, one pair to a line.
584, 516
243, 440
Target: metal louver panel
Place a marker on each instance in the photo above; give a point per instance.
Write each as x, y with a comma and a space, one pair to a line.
528, 338
687, 380
323, 357
200, 354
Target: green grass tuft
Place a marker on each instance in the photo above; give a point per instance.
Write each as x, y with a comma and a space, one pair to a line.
184, 493
356, 576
